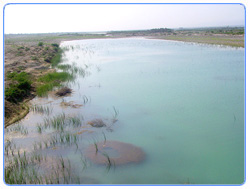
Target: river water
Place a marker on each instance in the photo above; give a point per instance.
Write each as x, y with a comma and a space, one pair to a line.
182, 104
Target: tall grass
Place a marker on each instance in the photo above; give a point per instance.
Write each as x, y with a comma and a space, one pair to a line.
57, 58
73, 69
85, 99
109, 162
51, 80
24, 168
41, 109
115, 115
18, 128
60, 122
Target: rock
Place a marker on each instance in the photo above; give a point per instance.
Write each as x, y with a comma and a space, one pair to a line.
63, 91
125, 153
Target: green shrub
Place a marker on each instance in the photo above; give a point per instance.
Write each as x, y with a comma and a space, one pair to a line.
19, 48
40, 44
48, 59
20, 87
55, 45
18, 76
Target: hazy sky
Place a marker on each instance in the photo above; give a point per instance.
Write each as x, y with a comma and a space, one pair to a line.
81, 18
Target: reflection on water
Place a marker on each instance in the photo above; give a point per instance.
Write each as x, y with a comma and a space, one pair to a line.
181, 104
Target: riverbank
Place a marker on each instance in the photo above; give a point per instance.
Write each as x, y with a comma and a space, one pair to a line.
24, 64
232, 41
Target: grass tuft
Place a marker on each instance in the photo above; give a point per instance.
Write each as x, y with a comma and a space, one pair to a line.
51, 80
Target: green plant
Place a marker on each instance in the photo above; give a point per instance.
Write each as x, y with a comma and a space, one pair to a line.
57, 58
34, 58
40, 44
55, 45
19, 48
19, 88
51, 80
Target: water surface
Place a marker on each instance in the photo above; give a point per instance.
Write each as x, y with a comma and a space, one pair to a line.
181, 103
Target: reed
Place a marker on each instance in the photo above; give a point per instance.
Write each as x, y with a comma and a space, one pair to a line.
115, 115
41, 109
60, 122
84, 162
75, 121
85, 99
39, 128
64, 67
105, 139
23, 169
18, 128
109, 162
96, 147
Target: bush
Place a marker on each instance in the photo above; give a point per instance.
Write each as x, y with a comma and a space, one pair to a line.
18, 76
40, 44
55, 45
20, 87
48, 59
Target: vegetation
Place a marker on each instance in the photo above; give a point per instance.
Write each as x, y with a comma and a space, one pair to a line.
19, 88
55, 45
57, 58
40, 44
41, 109
51, 80
25, 168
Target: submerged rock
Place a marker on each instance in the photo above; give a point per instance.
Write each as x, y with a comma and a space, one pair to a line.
124, 153
97, 123
63, 91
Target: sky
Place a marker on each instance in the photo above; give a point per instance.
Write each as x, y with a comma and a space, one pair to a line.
20, 18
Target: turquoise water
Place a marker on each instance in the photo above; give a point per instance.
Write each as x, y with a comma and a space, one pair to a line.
181, 103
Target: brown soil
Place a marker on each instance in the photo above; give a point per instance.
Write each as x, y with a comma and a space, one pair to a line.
28, 58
